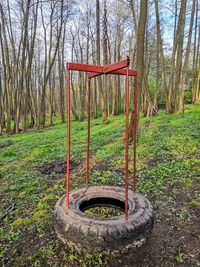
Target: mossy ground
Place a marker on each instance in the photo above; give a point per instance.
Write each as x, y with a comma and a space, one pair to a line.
168, 163
103, 212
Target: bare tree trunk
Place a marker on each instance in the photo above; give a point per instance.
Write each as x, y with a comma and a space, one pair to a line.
140, 47
94, 102
6, 70
22, 73
51, 58
184, 74
179, 61
61, 72
30, 52
196, 62
74, 106
160, 46
50, 100
105, 62
114, 87
1, 94
140, 58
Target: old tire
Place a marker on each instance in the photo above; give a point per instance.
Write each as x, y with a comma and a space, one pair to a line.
117, 234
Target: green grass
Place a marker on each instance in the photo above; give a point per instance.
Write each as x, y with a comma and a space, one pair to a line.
168, 156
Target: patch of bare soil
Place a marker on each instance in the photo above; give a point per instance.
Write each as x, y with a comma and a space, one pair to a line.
6, 144
58, 167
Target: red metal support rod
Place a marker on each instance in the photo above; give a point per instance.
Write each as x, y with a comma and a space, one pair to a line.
68, 140
88, 143
135, 133
126, 153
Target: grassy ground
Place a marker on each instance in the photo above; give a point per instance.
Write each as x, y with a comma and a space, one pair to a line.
32, 179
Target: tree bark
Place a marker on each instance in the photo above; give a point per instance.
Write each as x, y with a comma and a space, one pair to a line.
162, 58
186, 61
140, 58
179, 60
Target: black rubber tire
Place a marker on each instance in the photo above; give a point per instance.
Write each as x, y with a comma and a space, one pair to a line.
116, 235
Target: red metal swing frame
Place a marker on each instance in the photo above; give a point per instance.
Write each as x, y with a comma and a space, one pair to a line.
118, 68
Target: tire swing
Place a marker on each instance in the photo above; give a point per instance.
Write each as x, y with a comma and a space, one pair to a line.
117, 234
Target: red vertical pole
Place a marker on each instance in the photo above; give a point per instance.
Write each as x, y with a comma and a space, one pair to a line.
135, 133
88, 142
68, 140
126, 154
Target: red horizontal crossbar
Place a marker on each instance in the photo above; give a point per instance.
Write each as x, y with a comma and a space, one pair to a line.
123, 72
117, 66
98, 69
116, 72
85, 67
